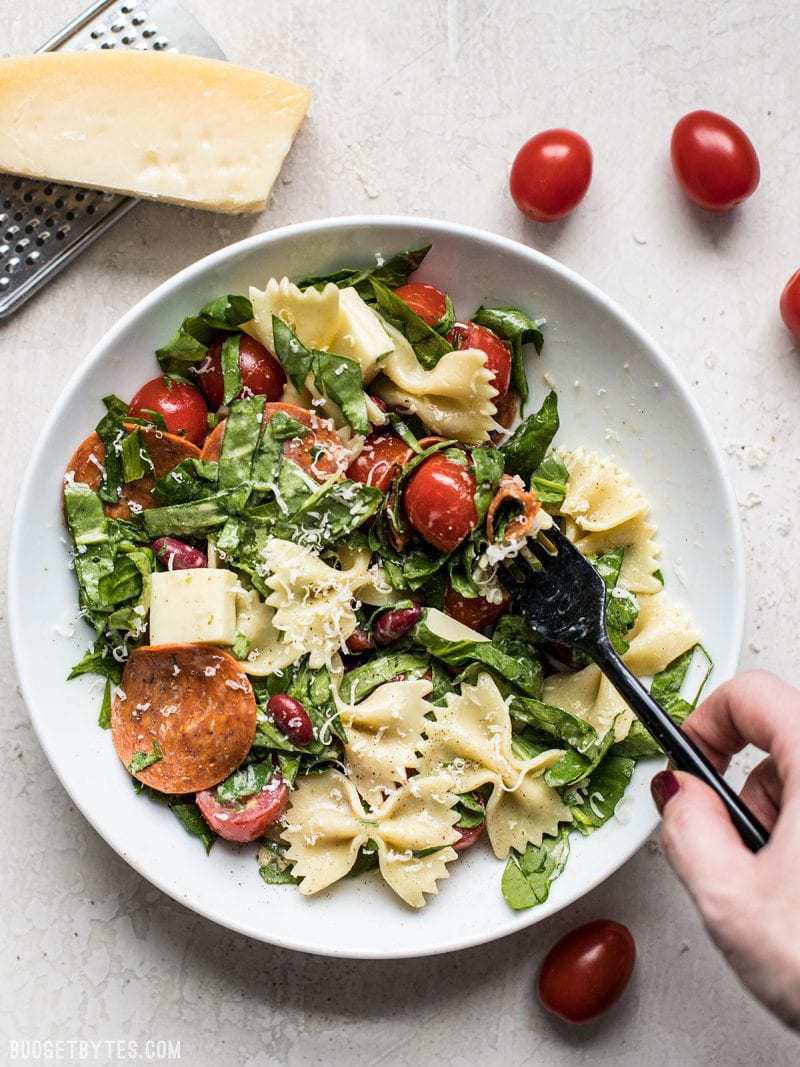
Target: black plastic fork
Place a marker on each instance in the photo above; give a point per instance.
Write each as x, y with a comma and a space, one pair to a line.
564, 600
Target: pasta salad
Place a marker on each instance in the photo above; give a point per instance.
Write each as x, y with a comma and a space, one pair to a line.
286, 546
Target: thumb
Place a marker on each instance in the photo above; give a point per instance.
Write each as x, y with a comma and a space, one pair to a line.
699, 840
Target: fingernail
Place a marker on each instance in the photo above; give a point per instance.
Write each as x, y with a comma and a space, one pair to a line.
664, 786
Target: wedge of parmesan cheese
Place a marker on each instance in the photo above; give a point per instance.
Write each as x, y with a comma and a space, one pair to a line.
190, 131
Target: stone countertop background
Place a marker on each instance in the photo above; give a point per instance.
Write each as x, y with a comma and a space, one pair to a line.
419, 108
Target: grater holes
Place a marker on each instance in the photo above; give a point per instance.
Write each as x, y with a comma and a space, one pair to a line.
80, 196
4, 283
22, 245
129, 38
32, 257
160, 44
43, 237
62, 231
150, 31
11, 233
17, 184
12, 264
18, 216
70, 216
4, 250
27, 197
90, 210
107, 45
138, 19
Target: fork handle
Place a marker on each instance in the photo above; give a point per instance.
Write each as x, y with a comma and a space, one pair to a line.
682, 751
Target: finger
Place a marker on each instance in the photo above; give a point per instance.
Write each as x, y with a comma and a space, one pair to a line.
701, 843
756, 708
762, 792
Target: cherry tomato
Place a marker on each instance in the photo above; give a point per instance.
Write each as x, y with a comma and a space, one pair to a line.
260, 372
550, 174
498, 357
379, 460
714, 160
475, 612
427, 301
247, 820
587, 971
180, 405
790, 305
439, 501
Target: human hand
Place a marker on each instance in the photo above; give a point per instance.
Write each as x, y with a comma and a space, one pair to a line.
750, 903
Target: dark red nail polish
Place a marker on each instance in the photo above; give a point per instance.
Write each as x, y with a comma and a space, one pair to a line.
664, 786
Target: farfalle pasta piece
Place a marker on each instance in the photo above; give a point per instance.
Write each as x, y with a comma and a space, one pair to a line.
312, 314
361, 334
383, 735
470, 744
269, 653
314, 603
454, 399
660, 634
605, 511
325, 825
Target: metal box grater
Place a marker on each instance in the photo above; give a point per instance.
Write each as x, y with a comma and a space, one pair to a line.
43, 225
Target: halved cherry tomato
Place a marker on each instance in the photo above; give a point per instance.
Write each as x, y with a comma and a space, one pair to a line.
714, 160
550, 174
260, 372
180, 405
498, 357
790, 305
587, 971
427, 301
475, 612
379, 460
439, 501
248, 820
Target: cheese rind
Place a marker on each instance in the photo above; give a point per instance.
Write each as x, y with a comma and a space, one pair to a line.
191, 131
194, 607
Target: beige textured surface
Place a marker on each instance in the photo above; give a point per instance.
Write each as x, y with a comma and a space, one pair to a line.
419, 108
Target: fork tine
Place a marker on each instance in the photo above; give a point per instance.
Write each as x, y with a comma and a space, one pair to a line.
540, 552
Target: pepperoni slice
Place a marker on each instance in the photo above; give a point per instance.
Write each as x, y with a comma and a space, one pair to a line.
512, 488
165, 450
320, 453
195, 704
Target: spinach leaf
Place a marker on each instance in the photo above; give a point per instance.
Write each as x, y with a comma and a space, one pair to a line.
471, 812
666, 689
488, 466
273, 866
104, 718
572, 767
111, 432
520, 329
358, 683
140, 761
523, 672
231, 372
245, 782
98, 660
393, 273
194, 517
190, 344
592, 803
124, 582
550, 720
136, 461
428, 345
528, 876
239, 444
192, 479
337, 377
550, 480
526, 448
193, 823
330, 514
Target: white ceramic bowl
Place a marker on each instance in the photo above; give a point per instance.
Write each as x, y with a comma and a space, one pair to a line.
618, 394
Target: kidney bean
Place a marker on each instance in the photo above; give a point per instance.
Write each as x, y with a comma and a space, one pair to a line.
177, 555
392, 625
291, 718
359, 641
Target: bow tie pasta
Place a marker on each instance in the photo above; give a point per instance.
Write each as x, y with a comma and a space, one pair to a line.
325, 826
470, 744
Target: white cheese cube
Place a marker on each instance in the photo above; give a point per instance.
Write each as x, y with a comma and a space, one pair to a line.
195, 606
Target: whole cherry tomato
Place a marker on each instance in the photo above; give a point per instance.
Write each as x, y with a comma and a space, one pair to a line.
248, 819
475, 612
260, 372
551, 174
180, 405
439, 501
714, 160
790, 305
425, 300
379, 460
587, 971
498, 357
